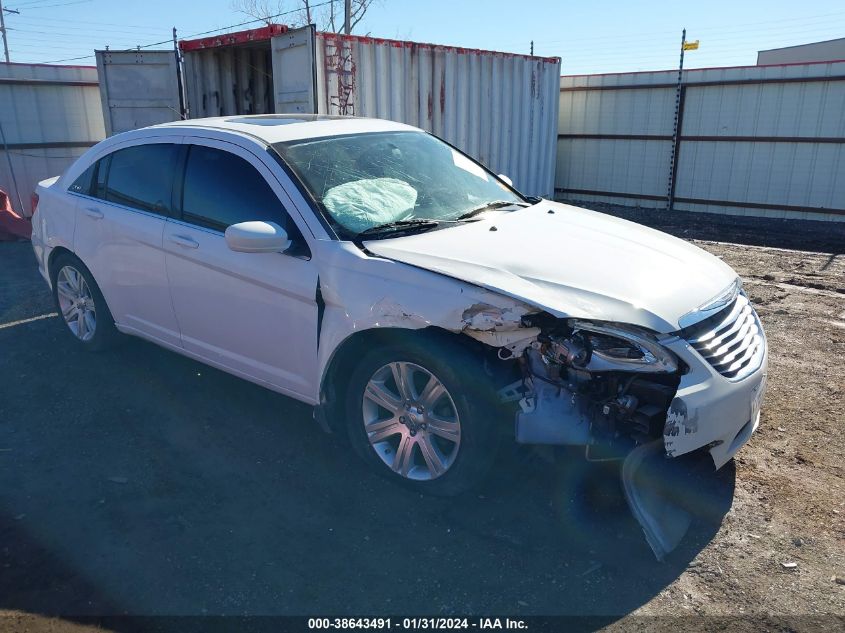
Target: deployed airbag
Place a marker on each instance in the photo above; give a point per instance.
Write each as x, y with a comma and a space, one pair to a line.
360, 204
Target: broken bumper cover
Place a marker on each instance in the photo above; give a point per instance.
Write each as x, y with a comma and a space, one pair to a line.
711, 411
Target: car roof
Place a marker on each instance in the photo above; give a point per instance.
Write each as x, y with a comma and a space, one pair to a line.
278, 128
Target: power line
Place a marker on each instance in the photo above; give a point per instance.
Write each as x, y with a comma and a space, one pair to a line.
67, 59
830, 26
269, 17
735, 27
55, 29
664, 50
29, 3
59, 36
26, 3
67, 49
224, 28
40, 19
47, 6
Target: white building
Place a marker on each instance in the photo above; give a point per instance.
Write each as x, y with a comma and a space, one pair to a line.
829, 50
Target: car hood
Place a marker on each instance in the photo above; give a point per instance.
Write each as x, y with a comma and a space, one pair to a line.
571, 262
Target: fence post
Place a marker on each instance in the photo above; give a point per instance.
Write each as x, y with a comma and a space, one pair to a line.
676, 149
676, 129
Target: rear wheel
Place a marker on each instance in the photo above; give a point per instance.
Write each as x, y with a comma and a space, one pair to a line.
423, 413
81, 304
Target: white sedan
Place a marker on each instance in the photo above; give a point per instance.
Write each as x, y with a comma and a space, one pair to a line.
419, 302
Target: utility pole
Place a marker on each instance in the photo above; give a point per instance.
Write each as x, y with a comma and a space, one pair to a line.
347, 16
3, 13
183, 114
532, 48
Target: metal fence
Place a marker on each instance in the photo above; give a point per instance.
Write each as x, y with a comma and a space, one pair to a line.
50, 115
759, 140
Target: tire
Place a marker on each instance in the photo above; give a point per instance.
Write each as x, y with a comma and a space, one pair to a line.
79, 301
419, 445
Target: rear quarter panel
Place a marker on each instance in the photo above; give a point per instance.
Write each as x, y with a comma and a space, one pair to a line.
54, 223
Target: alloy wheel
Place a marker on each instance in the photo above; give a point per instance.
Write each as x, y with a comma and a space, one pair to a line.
76, 303
411, 421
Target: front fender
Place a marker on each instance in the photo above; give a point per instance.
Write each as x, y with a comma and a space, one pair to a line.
360, 293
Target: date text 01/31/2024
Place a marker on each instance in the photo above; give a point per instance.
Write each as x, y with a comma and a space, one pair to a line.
416, 623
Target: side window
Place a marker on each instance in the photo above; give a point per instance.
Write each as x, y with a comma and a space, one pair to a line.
141, 177
100, 177
83, 183
222, 189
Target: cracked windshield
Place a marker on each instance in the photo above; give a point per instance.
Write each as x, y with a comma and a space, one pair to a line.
382, 182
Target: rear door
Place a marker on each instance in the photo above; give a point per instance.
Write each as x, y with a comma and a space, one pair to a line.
121, 213
253, 314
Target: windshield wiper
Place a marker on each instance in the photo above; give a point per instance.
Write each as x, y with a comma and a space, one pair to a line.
398, 225
487, 206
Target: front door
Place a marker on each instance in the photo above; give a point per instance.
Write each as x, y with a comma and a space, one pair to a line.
253, 314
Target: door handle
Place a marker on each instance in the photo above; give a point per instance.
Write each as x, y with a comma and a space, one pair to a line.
184, 242
94, 213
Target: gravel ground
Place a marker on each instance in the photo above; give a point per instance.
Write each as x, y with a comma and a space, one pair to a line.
141, 482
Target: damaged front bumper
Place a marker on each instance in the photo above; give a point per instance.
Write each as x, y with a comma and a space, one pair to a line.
710, 412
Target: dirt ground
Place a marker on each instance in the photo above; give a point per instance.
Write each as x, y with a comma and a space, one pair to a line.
140, 482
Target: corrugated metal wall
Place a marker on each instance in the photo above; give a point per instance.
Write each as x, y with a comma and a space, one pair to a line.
50, 116
766, 141
499, 108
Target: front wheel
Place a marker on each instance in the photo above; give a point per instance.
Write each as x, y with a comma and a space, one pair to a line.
423, 413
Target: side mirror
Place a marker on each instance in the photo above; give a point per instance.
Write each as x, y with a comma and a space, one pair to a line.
257, 237
506, 180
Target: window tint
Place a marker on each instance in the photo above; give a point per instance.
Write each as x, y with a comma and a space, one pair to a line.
223, 189
100, 177
141, 177
83, 183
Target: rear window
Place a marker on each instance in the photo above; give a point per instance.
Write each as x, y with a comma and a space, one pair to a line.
141, 177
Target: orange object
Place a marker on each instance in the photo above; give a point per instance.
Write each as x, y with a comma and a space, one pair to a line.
12, 225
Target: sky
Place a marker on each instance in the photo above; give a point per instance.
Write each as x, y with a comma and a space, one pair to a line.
590, 37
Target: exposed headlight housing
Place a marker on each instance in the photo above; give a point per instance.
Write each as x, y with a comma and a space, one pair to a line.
620, 347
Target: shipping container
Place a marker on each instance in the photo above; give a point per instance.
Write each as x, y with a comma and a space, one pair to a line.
500, 108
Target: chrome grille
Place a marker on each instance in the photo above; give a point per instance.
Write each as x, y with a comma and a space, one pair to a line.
732, 341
